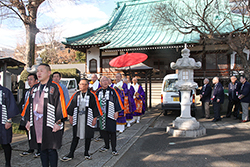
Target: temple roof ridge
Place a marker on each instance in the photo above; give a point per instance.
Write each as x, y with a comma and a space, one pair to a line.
131, 26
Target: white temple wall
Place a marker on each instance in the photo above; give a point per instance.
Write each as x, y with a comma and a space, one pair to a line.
93, 53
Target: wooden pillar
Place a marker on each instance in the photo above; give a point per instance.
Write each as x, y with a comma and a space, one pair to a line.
146, 91
204, 60
100, 60
4, 74
228, 66
150, 90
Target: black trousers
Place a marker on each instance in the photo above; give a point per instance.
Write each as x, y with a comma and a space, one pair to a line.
27, 133
217, 107
75, 142
49, 157
7, 153
109, 135
98, 129
236, 108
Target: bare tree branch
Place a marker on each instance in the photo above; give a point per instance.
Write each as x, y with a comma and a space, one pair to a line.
26, 11
217, 21
10, 7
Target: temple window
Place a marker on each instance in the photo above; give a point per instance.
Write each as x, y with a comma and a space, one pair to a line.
216, 61
93, 66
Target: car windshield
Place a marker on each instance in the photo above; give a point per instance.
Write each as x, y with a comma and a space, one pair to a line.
64, 82
169, 85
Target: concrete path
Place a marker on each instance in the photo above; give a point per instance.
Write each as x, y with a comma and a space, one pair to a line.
226, 144
153, 119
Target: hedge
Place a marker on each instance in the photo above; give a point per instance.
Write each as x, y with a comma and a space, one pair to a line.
66, 73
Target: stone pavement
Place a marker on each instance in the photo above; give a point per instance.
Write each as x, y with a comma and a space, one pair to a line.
152, 119
226, 144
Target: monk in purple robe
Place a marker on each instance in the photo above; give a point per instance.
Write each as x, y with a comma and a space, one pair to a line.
132, 106
139, 97
122, 90
94, 84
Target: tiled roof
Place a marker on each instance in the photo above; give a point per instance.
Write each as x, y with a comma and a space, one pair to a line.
131, 26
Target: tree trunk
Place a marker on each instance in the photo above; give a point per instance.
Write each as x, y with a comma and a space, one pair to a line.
237, 44
245, 64
31, 31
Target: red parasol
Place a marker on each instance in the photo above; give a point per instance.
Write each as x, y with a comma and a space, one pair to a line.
128, 59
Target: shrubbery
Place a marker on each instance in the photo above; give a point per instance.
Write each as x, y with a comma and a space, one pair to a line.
15, 129
66, 73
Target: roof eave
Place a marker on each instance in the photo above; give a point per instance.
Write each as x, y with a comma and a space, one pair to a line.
150, 47
11, 62
69, 40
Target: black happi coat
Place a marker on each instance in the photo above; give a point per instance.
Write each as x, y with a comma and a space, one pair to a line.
93, 110
113, 104
54, 109
8, 109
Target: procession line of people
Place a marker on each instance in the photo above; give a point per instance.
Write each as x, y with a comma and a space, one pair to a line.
101, 106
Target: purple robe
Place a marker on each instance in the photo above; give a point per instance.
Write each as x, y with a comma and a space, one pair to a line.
142, 97
121, 120
132, 106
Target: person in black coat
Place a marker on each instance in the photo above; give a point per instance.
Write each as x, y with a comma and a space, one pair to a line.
244, 98
83, 109
205, 98
32, 80
8, 110
45, 112
217, 98
233, 100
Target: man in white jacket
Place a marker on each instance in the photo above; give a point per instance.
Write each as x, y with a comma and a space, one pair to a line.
94, 84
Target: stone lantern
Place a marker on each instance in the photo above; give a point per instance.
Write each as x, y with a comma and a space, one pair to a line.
33, 69
186, 125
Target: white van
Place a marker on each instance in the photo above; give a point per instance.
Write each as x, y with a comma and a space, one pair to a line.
71, 85
170, 96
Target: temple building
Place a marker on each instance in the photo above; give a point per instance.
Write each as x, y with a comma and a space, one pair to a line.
131, 28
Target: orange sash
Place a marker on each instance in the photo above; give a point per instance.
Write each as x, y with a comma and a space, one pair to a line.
126, 105
138, 103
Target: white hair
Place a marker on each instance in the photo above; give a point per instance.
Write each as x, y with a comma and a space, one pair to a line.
125, 79
206, 79
103, 77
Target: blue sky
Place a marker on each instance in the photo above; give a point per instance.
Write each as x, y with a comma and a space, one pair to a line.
69, 19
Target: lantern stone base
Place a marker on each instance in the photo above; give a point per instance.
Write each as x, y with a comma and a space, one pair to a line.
186, 123
201, 131
186, 127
